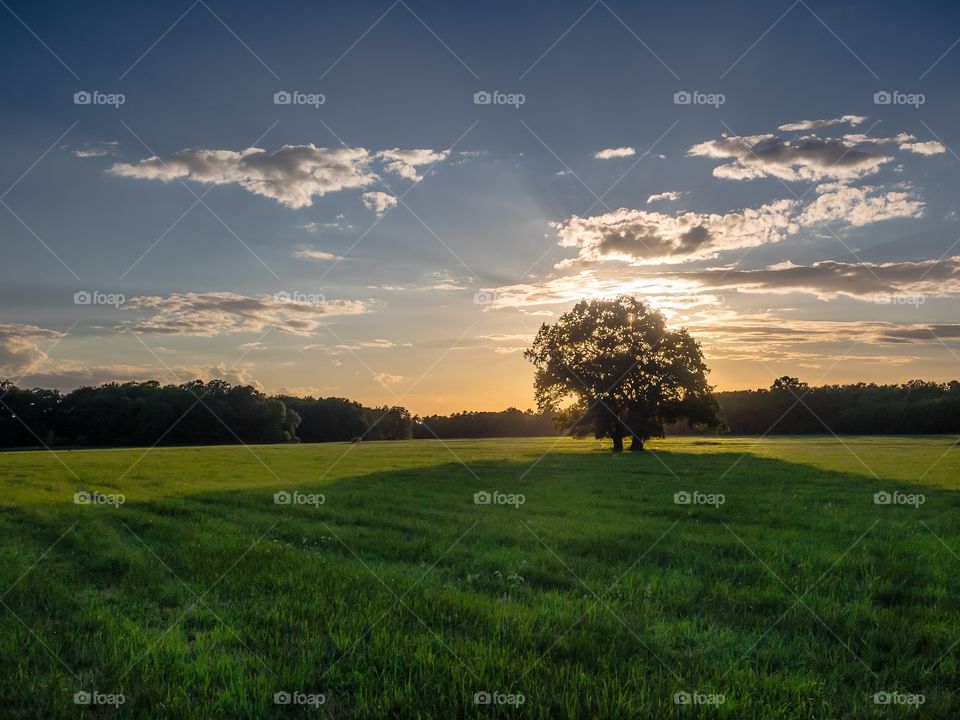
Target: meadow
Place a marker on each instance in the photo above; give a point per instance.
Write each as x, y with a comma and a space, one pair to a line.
524, 578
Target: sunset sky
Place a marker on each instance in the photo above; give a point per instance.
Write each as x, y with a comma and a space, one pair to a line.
779, 178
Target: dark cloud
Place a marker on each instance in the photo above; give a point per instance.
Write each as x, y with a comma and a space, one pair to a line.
807, 158
871, 281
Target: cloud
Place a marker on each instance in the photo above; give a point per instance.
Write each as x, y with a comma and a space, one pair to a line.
216, 313
762, 335
90, 153
817, 124
375, 344
921, 333
592, 284
69, 375
405, 162
387, 379
859, 206
379, 202
439, 280
645, 237
95, 150
860, 139
304, 391
670, 195
505, 343
610, 153
931, 147
876, 282
883, 283
311, 253
292, 175
767, 337
340, 223
807, 158
19, 350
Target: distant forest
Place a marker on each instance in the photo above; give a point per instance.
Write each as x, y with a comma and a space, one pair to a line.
214, 413
194, 413
791, 407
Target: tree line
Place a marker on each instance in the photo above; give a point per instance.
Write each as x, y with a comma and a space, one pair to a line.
504, 423
788, 407
214, 412
194, 413
791, 407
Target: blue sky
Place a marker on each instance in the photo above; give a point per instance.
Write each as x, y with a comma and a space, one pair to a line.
400, 243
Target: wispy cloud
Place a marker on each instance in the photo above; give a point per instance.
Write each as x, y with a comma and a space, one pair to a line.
217, 313
312, 253
611, 153
803, 125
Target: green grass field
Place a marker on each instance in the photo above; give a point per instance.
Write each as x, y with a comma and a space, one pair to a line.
398, 596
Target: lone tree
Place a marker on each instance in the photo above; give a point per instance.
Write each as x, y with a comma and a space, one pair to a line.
613, 368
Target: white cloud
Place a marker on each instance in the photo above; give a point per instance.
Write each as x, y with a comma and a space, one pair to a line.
379, 202
292, 175
95, 150
860, 139
311, 253
859, 206
931, 147
340, 223
90, 153
670, 195
387, 379
817, 124
405, 162
645, 237
216, 313
610, 153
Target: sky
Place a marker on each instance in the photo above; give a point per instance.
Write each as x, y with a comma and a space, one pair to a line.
385, 200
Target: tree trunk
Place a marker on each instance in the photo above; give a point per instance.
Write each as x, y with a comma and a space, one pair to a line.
636, 444
617, 435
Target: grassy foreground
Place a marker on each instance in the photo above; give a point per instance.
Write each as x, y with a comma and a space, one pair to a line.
599, 596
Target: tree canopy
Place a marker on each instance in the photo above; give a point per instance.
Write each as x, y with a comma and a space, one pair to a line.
614, 369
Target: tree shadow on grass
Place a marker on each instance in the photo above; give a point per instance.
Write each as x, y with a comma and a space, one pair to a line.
602, 582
